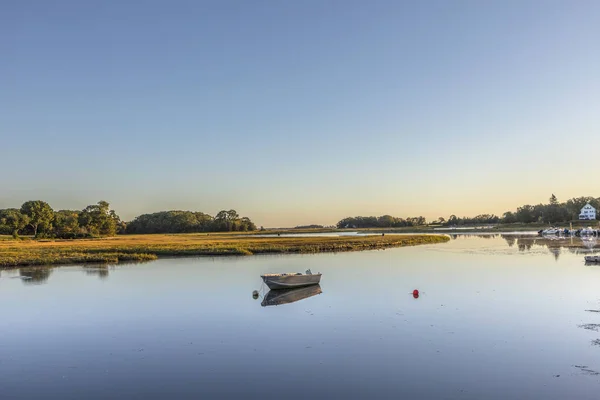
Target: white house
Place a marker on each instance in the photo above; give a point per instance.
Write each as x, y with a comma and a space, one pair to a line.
587, 212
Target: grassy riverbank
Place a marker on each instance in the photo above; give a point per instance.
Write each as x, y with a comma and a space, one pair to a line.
14, 253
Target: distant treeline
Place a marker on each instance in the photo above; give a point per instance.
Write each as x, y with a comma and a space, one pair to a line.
37, 218
189, 222
552, 213
314, 226
477, 220
385, 221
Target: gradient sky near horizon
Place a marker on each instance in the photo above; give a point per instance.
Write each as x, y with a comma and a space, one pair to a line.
299, 112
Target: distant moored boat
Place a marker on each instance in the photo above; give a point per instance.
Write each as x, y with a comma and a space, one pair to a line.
587, 232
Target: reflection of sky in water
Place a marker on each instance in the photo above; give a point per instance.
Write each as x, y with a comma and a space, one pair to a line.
496, 319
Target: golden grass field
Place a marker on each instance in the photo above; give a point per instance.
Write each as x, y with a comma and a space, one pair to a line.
15, 253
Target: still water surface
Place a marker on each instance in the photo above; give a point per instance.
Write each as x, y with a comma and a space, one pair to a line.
497, 318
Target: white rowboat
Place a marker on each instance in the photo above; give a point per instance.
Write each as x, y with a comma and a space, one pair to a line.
291, 280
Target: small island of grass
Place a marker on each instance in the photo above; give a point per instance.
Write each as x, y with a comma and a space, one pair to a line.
15, 253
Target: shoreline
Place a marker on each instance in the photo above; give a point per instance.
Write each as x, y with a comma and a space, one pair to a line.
134, 248
439, 229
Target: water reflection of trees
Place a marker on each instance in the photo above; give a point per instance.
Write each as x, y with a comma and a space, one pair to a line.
35, 275
555, 245
40, 275
524, 244
473, 235
101, 271
555, 251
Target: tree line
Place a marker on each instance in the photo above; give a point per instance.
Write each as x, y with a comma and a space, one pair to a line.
188, 222
37, 218
477, 220
553, 212
384, 221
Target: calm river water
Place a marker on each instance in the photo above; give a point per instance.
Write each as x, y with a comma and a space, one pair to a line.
497, 318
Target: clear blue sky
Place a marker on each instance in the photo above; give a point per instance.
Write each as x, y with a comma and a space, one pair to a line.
298, 112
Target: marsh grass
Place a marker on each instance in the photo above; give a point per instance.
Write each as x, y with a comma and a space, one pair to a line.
15, 253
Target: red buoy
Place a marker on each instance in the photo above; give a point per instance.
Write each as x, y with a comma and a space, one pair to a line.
416, 294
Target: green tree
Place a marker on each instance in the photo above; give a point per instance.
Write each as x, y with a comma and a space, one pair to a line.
232, 215
98, 219
386, 221
525, 214
221, 221
226, 220
39, 213
509, 218
171, 222
66, 224
553, 200
247, 225
14, 220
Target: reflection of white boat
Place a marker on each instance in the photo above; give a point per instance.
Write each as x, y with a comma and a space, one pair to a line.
551, 231
285, 296
589, 241
557, 232
290, 280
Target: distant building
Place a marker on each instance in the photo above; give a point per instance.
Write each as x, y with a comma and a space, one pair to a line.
587, 212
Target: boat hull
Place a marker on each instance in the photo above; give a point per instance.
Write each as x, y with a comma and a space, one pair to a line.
285, 281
